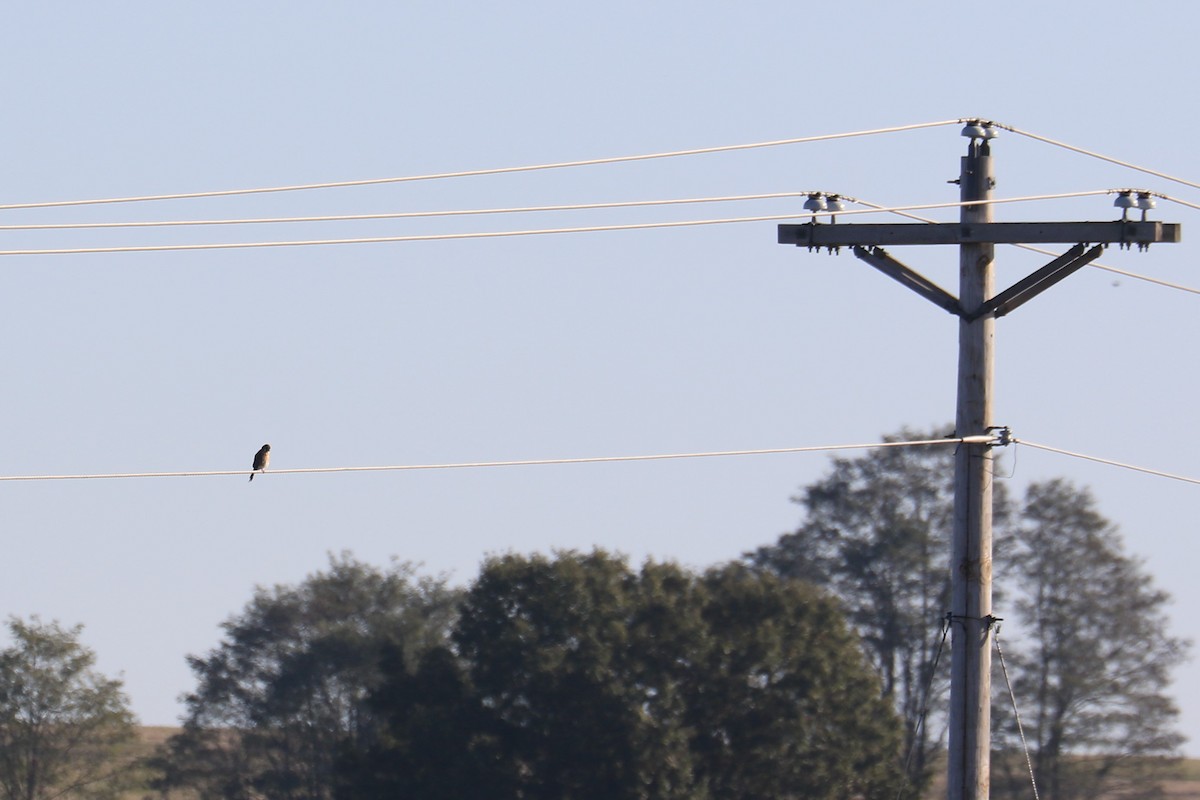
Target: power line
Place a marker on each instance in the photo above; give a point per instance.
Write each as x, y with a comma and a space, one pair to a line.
426, 237
1179, 200
522, 463
512, 233
400, 214
482, 172
1108, 461
587, 162
1101, 156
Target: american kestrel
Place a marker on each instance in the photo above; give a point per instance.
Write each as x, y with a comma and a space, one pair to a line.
261, 459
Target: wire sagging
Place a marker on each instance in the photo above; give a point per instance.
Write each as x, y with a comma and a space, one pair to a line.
523, 463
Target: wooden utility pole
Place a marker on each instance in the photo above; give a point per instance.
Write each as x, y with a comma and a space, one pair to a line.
971, 552
977, 307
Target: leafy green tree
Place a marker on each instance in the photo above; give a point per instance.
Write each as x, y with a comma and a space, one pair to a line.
62, 723
554, 652
433, 741
580, 678
876, 533
1094, 665
285, 691
785, 705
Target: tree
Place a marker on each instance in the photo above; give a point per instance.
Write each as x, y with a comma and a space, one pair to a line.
433, 739
786, 706
285, 691
1096, 654
556, 650
578, 678
1092, 652
876, 533
61, 722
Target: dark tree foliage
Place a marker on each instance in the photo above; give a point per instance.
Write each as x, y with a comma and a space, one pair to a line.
578, 678
433, 741
62, 724
876, 533
285, 691
555, 651
785, 706
1094, 657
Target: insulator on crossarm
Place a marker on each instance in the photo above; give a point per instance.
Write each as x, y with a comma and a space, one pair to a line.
1145, 201
1125, 202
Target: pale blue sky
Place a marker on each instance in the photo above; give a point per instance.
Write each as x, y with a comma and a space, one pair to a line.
676, 340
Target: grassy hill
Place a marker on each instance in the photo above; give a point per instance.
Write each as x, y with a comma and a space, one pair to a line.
1185, 783
148, 739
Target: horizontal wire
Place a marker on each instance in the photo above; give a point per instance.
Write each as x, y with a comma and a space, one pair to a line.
400, 214
482, 172
423, 237
1110, 462
523, 463
536, 232
1101, 156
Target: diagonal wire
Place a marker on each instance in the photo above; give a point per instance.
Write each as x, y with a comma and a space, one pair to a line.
1126, 273
1110, 462
1016, 714
480, 172
912, 748
1165, 176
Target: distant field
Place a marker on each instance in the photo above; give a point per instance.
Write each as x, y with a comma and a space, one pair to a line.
151, 737
1186, 783
148, 739
1189, 770
1183, 785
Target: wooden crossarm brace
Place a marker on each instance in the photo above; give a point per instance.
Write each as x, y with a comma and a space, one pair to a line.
878, 258
1031, 286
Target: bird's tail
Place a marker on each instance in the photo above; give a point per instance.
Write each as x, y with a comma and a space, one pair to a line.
251, 476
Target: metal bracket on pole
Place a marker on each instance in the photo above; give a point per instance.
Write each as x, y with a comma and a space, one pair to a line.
1003, 435
878, 258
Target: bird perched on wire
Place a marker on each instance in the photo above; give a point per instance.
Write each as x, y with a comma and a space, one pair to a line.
261, 459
